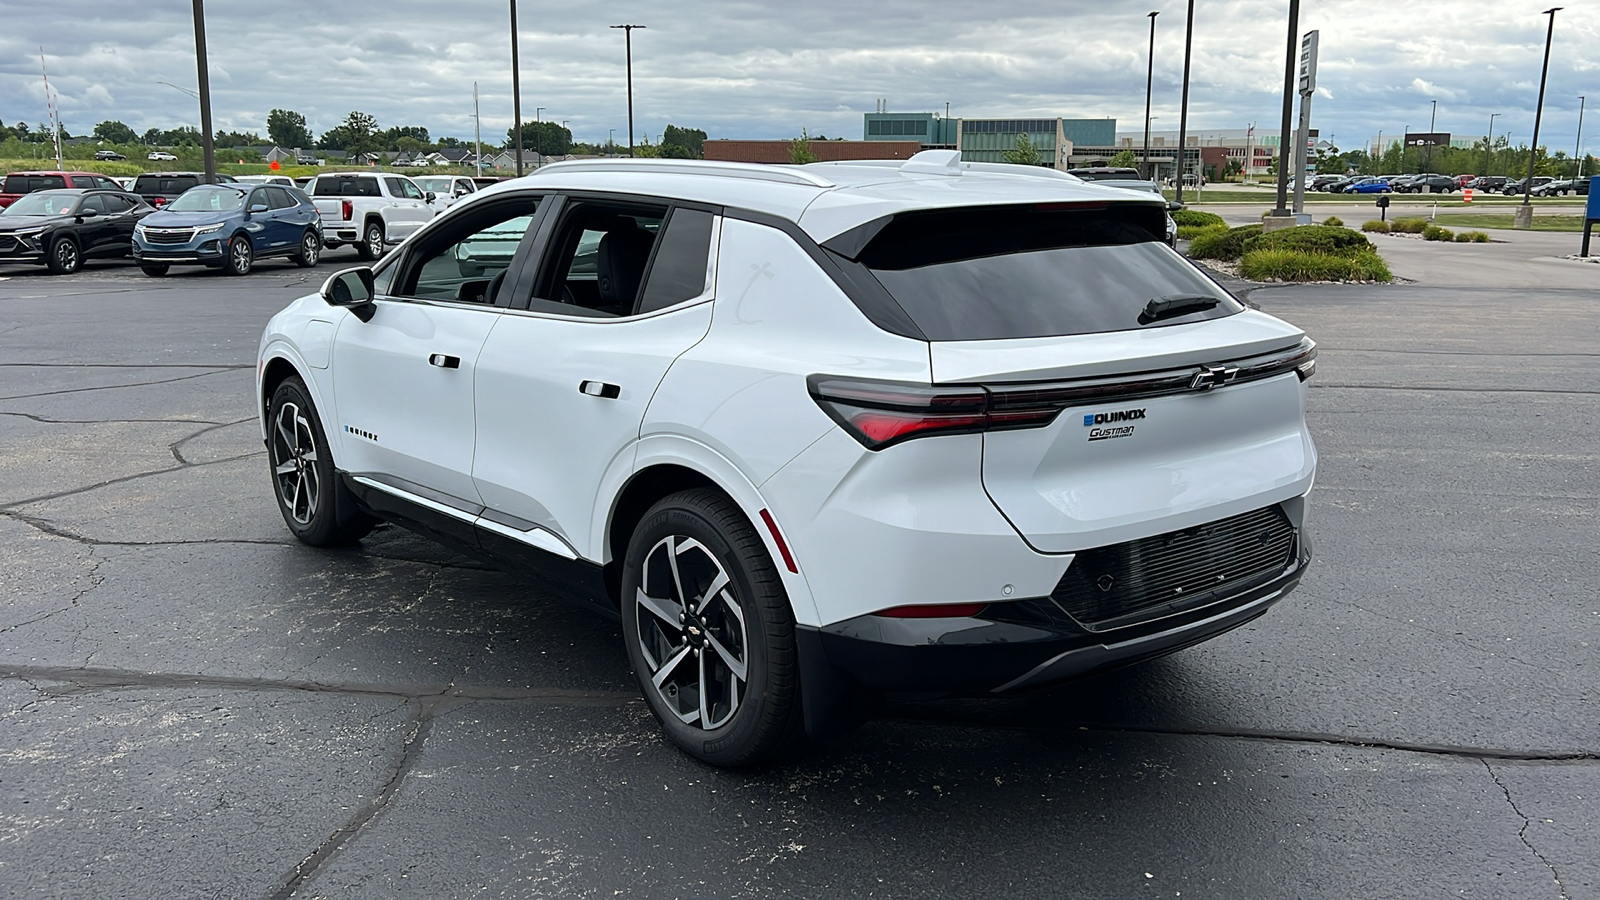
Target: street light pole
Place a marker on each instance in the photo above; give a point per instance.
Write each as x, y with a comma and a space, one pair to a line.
516, 90
1433, 117
1284, 139
1183, 114
1149, 82
206, 139
1524, 216
1488, 145
538, 133
627, 32
1577, 148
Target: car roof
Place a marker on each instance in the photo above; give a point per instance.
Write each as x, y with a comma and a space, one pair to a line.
827, 199
56, 172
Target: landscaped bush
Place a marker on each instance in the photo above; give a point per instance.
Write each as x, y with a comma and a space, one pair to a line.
1190, 232
1436, 233
1299, 265
1224, 244
1329, 239
1408, 226
1378, 226
1196, 218
1333, 220
1473, 237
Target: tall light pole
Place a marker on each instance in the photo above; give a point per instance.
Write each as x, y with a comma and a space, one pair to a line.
1149, 82
1488, 144
206, 139
477, 131
1282, 210
538, 133
1432, 118
1183, 113
1577, 148
627, 36
1524, 216
516, 90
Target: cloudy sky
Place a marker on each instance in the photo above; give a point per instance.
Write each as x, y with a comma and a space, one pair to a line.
768, 69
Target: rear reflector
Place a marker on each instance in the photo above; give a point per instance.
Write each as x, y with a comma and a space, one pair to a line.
933, 611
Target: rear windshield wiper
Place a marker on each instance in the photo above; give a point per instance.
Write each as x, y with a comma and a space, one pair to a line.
1176, 305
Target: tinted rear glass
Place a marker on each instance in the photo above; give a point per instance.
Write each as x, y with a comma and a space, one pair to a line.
347, 187
1024, 272
164, 184
27, 184
679, 270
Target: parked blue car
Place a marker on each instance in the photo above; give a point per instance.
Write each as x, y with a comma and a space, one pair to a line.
1368, 186
229, 227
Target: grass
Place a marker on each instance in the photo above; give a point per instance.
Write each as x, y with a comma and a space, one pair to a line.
1503, 220
1408, 226
1297, 265
1333, 220
1190, 232
185, 164
1196, 219
1472, 237
1376, 225
1219, 243
1329, 240
1444, 201
1436, 233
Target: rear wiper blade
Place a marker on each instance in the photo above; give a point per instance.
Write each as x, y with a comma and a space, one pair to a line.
1176, 305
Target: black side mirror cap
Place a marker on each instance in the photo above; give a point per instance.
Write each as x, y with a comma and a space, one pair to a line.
352, 289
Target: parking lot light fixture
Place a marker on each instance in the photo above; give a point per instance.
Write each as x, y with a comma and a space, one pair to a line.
1284, 140
1149, 82
627, 36
1488, 145
1524, 216
516, 91
1183, 113
207, 140
1577, 147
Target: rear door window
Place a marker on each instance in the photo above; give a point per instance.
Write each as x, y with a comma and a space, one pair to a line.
279, 198
991, 273
679, 271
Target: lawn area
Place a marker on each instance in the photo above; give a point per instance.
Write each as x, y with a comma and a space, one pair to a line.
1444, 201
1503, 220
189, 163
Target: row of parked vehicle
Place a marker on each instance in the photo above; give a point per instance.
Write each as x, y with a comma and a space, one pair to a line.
1434, 183
163, 219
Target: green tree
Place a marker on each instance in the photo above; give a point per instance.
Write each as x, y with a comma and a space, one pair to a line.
800, 150
1124, 160
115, 132
445, 143
287, 128
683, 143
1023, 154
390, 137
548, 138
237, 139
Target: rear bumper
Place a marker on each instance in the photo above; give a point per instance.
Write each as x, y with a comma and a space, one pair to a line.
1010, 646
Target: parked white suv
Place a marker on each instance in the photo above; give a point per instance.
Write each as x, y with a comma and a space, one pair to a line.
372, 210
816, 434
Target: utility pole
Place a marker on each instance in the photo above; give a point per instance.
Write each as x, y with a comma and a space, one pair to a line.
206, 138
627, 36
538, 134
516, 90
1183, 114
477, 131
1282, 209
1149, 82
1488, 145
1577, 148
1524, 216
1433, 117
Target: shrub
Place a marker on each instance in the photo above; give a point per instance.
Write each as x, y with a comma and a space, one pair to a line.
1330, 239
1333, 220
1376, 225
1196, 218
1299, 265
1225, 244
1190, 232
1473, 237
1408, 226
1436, 233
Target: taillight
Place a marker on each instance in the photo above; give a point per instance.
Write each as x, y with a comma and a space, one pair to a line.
347, 209
158, 202
882, 413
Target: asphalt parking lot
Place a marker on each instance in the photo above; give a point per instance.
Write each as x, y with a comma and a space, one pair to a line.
193, 705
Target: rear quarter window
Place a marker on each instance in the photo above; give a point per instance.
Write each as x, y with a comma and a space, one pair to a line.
994, 273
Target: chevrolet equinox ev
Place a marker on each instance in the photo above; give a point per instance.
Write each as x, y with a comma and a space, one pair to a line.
817, 435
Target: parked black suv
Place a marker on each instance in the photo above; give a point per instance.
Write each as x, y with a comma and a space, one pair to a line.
1514, 188
161, 188
1488, 183
1428, 184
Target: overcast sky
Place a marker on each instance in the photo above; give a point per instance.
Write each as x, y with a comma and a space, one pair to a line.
767, 69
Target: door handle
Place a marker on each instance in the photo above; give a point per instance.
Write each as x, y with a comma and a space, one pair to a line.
444, 362
600, 389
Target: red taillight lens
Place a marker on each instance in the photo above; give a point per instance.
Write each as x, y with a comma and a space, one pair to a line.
347, 209
158, 202
933, 611
879, 413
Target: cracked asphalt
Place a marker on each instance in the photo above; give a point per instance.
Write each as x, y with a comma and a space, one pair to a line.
193, 705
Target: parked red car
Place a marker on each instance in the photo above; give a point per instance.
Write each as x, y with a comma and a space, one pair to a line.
1463, 180
18, 184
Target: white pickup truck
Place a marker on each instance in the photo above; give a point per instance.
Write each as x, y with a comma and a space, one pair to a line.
372, 210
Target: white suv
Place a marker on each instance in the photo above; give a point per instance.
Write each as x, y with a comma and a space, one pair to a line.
815, 434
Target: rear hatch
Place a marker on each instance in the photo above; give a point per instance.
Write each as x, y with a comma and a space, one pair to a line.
1128, 394
335, 197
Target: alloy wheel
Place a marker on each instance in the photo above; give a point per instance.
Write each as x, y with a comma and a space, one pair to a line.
692, 632
239, 256
294, 463
310, 248
66, 255
375, 241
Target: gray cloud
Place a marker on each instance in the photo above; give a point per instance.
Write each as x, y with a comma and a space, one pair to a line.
757, 69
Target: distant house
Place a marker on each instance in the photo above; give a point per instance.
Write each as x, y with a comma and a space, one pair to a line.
453, 155
362, 159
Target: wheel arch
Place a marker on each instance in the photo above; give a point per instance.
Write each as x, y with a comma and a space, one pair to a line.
280, 363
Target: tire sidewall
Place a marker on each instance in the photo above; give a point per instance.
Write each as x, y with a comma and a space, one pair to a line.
324, 524
154, 271
76, 262
237, 265
736, 742
310, 249
368, 250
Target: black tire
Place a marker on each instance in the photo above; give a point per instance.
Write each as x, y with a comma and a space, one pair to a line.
706, 537
371, 246
154, 270
64, 257
310, 249
241, 256
315, 505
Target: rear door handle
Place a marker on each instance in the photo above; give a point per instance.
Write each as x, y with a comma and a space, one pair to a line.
444, 362
600, 389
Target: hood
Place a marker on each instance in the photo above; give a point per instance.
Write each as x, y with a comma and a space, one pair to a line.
167, 219
17, 223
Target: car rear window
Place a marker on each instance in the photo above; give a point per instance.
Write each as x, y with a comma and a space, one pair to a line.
164, 184
27, 184
347, 187
992, 273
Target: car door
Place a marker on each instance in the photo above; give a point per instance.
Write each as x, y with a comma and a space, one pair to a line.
623, 290
406, 209
289, 220
120, 220
96, 233
403, 378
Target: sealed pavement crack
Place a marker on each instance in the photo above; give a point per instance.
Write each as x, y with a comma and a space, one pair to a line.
123, 479
175, 446
53, 530
49, 421
1522, 833
112, 387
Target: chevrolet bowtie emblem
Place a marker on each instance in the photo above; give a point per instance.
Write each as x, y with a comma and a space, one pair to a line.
1213, 376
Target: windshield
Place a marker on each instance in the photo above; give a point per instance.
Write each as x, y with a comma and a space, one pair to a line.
41, 205
207, 201
437, 185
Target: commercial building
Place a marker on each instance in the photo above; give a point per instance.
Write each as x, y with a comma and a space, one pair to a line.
989, 139
825, 151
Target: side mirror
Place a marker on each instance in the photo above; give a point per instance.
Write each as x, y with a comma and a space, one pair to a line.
1174, 206
430, 196
459, 192
352, 289
87, 213
258, 207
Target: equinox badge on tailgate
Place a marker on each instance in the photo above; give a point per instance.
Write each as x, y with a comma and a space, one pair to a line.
1092, 421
